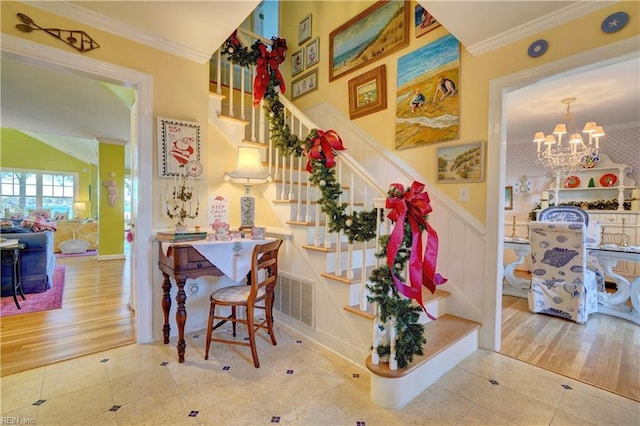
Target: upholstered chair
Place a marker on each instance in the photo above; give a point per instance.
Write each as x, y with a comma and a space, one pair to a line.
561, 283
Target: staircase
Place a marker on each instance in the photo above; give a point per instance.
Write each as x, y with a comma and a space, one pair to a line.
336, 271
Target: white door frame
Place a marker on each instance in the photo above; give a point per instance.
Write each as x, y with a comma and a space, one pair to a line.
141, 151
499, 90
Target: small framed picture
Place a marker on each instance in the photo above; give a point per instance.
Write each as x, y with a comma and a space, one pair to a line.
304, 29
297, 62
305, 84
424, 22
312, 52
508, 197
460, 163
368, 92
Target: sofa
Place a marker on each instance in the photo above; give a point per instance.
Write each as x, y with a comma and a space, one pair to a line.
37, 261
76, 230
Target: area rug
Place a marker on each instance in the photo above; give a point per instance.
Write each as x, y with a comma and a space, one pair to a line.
86, 253
50, 299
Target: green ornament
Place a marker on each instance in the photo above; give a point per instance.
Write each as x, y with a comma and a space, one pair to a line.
592, 184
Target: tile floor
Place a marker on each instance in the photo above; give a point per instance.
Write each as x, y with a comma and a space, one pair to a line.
298, 383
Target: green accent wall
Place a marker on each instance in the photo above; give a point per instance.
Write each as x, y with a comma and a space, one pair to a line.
111, 223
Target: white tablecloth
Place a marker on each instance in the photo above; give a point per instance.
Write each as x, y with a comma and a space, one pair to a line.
232, 257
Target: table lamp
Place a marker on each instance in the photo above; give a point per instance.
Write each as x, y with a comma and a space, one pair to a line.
79, 207
248, 171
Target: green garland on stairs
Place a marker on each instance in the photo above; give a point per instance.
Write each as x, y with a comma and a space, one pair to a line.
357, 226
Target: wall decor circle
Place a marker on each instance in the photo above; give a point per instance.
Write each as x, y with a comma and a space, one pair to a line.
537, 48
615, 22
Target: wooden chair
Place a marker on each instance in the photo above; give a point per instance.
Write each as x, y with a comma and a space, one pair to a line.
262, 282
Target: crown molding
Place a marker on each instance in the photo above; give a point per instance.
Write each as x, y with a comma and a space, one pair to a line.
119, 28
536, 26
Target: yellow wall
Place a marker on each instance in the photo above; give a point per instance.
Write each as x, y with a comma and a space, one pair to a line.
571, 38
111, 222
21, 151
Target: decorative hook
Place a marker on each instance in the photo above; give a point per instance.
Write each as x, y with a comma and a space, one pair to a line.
74, 38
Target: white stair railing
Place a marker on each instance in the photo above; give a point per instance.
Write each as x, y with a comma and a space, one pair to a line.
361, 192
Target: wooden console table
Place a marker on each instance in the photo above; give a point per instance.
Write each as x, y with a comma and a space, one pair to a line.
184, 260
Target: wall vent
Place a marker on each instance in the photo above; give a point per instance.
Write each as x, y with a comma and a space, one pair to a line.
294, 298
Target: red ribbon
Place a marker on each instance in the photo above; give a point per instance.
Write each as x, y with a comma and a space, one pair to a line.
325, 143
413, 205
266, 64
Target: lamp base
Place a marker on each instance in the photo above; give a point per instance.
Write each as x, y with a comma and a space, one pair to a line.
247, 211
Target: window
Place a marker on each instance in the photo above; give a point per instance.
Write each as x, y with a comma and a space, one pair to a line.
25, 190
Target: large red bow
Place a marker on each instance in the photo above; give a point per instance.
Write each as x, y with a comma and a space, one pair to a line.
266, 64
413, 205
324, 143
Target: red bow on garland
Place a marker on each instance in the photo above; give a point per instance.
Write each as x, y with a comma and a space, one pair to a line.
324, 143
413, 205
266, 64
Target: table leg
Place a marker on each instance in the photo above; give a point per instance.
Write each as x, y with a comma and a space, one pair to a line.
519, 286
181, 317
166, 306
615, 304
15, 279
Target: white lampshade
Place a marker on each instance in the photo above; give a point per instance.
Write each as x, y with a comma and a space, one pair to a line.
248, 168
539, 137
590, 127
560, 129
79, 206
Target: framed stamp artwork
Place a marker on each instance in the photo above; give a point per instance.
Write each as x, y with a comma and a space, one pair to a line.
313, 52
297, 62
305, 84
178, 147
378, 31
304, 29
460, 163
368, 92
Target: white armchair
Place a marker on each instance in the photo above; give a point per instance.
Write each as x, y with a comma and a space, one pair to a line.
561, 284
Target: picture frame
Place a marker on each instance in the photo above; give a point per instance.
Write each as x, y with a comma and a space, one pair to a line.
423, 21
460, 163
508, 197
304, 30
178, 148
376, 32
368, 92
297, 62
428, 94
312, 50
305, 84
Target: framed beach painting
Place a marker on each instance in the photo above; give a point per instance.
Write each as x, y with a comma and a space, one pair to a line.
423, 21
460, 163
428, 94
378, 31
368, 92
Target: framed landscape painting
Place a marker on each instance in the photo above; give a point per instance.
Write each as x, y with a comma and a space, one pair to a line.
380, 30
428, 94
461, 163
368, 92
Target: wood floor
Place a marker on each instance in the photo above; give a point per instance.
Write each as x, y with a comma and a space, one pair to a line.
94, 317
603, 352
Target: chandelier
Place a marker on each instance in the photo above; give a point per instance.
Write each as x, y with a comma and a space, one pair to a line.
564, 157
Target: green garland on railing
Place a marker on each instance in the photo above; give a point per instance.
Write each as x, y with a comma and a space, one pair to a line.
357, 226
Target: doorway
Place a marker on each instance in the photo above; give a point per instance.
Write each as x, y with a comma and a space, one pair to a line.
141, 148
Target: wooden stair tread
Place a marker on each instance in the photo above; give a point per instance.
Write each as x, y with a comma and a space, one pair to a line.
305, 223
332, 248
427, 297
440, 334
343, 187
232, 119
256, 145
357, 275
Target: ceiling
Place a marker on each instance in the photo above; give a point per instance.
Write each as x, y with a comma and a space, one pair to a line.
52, 102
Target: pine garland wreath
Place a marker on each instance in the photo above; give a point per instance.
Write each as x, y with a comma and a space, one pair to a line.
357, 226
